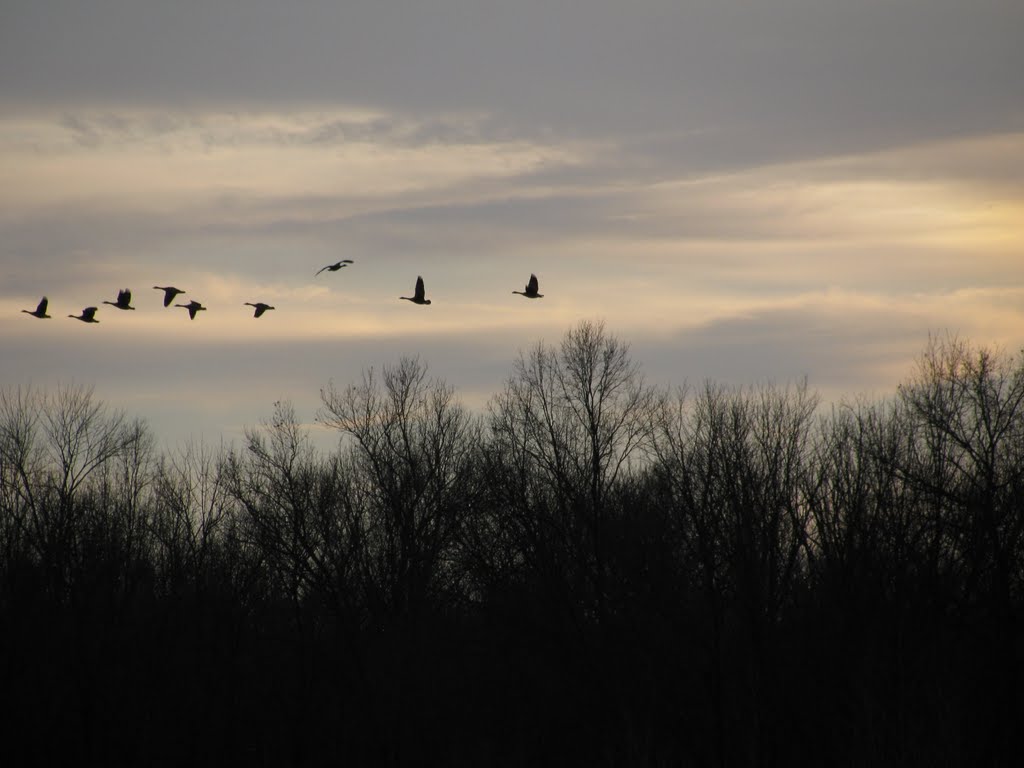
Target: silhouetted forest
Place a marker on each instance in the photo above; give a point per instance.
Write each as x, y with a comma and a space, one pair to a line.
593, 571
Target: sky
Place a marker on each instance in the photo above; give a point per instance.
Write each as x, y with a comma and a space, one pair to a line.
745, 192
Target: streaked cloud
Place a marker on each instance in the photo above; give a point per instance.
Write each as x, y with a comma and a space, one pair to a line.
150, 163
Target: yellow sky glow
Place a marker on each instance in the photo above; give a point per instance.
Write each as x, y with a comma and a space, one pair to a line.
910, 233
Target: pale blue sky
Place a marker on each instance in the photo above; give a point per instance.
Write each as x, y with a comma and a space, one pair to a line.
743, 191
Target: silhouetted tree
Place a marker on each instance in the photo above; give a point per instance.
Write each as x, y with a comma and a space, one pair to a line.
567, 437
596, 571
570, 424
52, 446
966, 406
731, 468
413, 448
410, 452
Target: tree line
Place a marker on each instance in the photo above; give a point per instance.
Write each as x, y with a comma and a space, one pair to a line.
593, 570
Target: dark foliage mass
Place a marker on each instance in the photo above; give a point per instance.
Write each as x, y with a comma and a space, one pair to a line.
593, 572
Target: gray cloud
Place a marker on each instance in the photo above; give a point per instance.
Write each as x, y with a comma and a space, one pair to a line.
94, 128
770, 80
837, 353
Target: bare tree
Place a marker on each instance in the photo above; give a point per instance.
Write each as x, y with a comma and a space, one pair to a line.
194, 517
22, 468
733, 467
53, 445
411, 456
570, 424
290, 499
967, 407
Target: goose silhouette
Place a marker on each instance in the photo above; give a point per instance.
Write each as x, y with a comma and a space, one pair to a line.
124, 300
88, 315
417, 297
192, 307
260, 308
169, 293
336, 266
531, 289
40, 310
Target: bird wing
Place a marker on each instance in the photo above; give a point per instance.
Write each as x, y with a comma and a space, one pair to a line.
419, 289
89, 313
321, 270
260, 309
41, 309
127, 296
169, 293
531, 287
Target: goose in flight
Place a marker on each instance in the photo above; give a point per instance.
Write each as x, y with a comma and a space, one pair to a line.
88, 315
260, 307
40, 310
192, 307
417, 297
531, 289
169, 293
336, 266
124, 300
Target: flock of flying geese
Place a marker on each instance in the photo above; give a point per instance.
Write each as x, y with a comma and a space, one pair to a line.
124, 298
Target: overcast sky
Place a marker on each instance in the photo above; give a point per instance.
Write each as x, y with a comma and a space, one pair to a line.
744, 191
